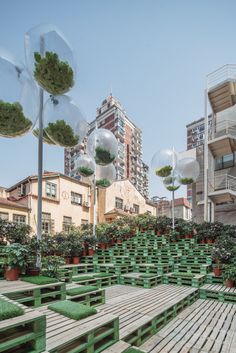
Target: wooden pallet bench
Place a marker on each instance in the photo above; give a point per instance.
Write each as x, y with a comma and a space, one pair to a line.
144, 313
165, 259
80, 268
98, 282
205, 327
65, 275
196, 259
218, 292
192, 268
33, 295
87, 259
212, 279
194, 280
153, 268
118, 347
25, 333
134, 279
113, 269
90, 335
93, 298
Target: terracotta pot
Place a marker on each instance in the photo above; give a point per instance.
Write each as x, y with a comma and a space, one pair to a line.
202, 242
84, 253
91, 252
217, 271
229, 283
209, 241
67, 260
12, 274
103, 246
118, 241
33, 271
75, 260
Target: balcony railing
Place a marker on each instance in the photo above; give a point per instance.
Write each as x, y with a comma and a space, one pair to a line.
220, 75
223, 128
225, 182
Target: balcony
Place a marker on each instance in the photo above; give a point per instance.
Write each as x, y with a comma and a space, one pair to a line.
221, 85
222, 140
223, 188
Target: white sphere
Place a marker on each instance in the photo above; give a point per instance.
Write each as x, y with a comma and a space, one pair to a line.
105, 175
102, 146
188, 170
85, 165
163, 162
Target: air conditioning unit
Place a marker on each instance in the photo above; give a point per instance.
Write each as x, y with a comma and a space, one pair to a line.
86, 204
126, 208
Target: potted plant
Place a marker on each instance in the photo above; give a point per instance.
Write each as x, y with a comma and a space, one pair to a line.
91, 241
223, 251
85, 171
174, 235
54, 75
229, 274
51, 265
16, 256
186, 181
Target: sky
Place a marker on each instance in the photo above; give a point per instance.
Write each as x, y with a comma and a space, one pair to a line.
155, 54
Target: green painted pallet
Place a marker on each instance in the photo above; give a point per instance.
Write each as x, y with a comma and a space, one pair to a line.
220, 294
113, 269
194, 280
153, 268
94, 298
135, 281
192, 268
212, 279
100, 282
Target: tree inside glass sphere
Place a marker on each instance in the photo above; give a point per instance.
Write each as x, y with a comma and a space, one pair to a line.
85, 171
46, 139
54, 75
62, 134
103, 156
186, 181
164, 171
103, 183
172, 187
12, 119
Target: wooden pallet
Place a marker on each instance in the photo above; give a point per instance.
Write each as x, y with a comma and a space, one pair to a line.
90, 335
142, 314
98, 282
212, 279
80, 268
192, 268
33, 295
113, 269
201, 259
206, 326
153, 268
93, 298
23, 334
218, 292
134, 279
196, 280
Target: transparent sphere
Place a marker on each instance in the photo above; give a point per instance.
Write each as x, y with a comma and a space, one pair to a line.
102, 146
163, 162
105, 175
188, 170
85, 165
46, 139
63, 121
19, 106
50, 59
171, 182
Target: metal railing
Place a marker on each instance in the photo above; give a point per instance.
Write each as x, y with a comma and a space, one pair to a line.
222, 128
224, 73
225, 182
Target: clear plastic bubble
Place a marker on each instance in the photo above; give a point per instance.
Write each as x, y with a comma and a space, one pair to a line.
19, 104
188, 170
105, 175
50, 59
102, 146
46, 139
164, 162
63, 121
171, 182
85, 165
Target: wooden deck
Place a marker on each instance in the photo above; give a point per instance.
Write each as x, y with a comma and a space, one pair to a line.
205, 326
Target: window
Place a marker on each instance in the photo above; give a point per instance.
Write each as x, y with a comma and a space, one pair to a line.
19, 219
84, 221
136, 208
226, 161
4, 216
76, 199
46, 222
118, 203
51, 190
67, 223
22, 190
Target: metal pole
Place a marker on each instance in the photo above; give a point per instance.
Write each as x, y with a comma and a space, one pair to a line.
206, 160
40, 165
95, 194
173, 210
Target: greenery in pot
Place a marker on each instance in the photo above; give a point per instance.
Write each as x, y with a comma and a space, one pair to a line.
103, 156
103, 183
85, 171
51, 266
172, 187
17, 233
163, 224
12, 119
16, 255
186, 181
229, 272
163, 171
224, 250
62, 133
54, 75
75, 245
174, 235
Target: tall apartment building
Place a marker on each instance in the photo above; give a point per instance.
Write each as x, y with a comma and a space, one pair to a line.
214, 195
129, 164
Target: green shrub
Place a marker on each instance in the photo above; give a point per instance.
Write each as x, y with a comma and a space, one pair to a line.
72, 310
103, 156
173, 187
39, 279
186, 181
9, 310
81, 290
51, 265
164, 171
104, 183
54, 75
85, 171
229, 272
62, 133
82, 278
16, 255
12, 119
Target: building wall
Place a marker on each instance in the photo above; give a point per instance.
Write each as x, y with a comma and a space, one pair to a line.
13, 211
